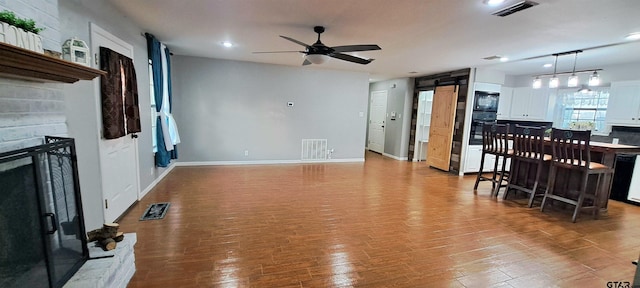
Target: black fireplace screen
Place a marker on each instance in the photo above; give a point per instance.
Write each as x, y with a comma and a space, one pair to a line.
42, 243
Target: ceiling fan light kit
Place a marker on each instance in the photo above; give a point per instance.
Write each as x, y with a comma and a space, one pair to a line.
319, 53
317, 58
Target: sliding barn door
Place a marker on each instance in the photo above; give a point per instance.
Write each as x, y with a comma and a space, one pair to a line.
443, 115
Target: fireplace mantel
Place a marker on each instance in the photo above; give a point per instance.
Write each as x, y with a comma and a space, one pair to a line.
19, 63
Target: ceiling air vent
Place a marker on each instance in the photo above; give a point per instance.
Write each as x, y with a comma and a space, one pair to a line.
494, 57
515, 8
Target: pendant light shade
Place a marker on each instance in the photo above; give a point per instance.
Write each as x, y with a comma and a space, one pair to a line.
537, 83
573, 79
594, 79
554, 81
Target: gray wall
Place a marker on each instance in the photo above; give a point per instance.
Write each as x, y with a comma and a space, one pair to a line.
226, 107
82, 100
399, 100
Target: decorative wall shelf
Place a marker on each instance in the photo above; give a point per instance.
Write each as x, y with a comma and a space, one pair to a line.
19, 63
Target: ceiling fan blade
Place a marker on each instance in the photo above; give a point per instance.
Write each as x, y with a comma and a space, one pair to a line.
295, 41
263, 52
354, 48
306, 62
350, 58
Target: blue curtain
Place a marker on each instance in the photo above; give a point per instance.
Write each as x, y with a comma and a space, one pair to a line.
163, 157
167, 53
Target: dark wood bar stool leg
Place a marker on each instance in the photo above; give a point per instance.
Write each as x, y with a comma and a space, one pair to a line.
479, 177
503, 173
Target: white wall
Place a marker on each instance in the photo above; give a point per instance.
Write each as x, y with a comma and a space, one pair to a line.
484, 75
226, 107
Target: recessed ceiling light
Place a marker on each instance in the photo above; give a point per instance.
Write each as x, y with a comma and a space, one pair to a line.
633, 36
227, 44
493, 2
504, 59
548, 65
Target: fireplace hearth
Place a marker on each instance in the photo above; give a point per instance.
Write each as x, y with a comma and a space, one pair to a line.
43, 241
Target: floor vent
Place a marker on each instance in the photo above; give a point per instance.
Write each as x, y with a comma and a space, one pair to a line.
515, 8
314, 149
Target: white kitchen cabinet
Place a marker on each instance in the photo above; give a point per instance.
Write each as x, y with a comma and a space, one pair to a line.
473, 157
530, 104
504, 103
624, 104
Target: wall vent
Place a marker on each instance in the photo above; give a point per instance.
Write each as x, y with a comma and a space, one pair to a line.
314, 149
515, 8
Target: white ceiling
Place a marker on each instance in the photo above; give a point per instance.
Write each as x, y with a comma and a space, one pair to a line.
423, 36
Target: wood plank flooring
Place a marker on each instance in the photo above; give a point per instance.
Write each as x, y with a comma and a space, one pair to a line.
382, 223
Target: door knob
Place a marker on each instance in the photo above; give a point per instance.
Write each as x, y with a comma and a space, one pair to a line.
134, 136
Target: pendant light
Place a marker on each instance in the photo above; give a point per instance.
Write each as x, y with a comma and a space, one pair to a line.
554, 81
573, 79
537, 83
594, 79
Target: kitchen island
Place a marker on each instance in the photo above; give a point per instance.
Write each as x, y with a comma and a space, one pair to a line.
567, 181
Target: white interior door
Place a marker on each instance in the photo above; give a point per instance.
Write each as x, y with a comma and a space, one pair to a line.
118, 157
377, 117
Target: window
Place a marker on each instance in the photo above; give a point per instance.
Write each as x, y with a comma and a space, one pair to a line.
584, 110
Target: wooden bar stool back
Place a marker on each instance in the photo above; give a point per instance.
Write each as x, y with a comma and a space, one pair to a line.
571, 151
528, 153
494, 142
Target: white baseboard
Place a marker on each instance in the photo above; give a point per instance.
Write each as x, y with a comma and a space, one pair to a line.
155, 182
395, 157
266, 162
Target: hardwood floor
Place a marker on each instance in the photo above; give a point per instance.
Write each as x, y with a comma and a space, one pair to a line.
384, 223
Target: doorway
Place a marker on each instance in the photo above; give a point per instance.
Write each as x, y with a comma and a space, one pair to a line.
118, 157
377, 117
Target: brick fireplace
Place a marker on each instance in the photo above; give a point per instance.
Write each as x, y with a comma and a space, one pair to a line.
34, 107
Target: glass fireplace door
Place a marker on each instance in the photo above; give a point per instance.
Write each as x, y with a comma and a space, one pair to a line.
64, 242
42, 243
22, 254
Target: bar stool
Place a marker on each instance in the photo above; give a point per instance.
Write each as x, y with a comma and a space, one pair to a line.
571, 152
528, 151
495, 142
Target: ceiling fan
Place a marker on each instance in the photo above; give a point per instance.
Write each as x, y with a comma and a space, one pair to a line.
318, 53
